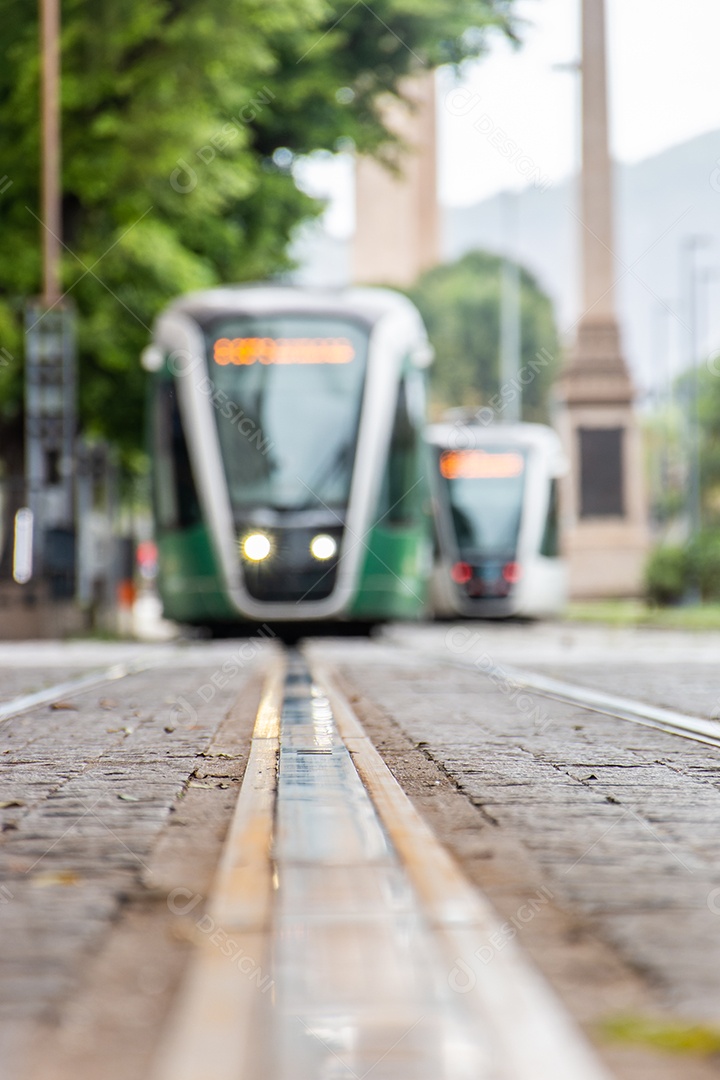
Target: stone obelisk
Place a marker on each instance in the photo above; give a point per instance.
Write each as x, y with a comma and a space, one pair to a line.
604, 506
397, 222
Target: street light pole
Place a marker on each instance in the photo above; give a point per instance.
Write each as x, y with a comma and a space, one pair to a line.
50, 148
50, 392
690, 247
510, 324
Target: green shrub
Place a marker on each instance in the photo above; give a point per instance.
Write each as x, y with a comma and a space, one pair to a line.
667, 575
672, 572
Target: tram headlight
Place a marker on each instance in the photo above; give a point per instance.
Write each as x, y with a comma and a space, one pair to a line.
323, 547
256, 546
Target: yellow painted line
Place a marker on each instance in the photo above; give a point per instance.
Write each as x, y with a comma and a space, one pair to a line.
213, 1031
536, 1038
267, 724
243, 887
446, 895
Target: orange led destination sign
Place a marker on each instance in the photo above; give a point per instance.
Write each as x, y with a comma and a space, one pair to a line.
480, 465
257, 350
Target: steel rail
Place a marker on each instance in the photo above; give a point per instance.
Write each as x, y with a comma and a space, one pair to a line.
71, 688
633, 710
363, 926
637, 712
670, 721
531, 1035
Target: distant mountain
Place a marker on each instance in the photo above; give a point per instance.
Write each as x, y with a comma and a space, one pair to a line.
659, 203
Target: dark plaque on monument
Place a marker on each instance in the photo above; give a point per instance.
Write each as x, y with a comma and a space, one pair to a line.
601, 472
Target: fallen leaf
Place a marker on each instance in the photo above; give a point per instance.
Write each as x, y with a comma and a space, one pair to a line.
64, 705
10, 802
57, 877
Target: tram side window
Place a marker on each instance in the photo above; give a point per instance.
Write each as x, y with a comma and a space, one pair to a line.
402, 464
175, 496
551, 536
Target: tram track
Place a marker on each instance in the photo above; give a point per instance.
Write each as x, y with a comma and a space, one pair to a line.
669, 721
346, 901
339, 937
510, 678
70, 688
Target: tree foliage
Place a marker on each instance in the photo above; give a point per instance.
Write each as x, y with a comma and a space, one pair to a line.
669, 438
181, 120
460, 303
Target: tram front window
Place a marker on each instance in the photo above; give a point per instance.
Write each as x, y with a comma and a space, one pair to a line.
287, 392
485, 493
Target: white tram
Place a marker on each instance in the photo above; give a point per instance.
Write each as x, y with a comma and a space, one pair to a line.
495, 504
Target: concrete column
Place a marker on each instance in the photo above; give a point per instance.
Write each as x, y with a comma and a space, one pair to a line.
604, 506
397, 222
596, 179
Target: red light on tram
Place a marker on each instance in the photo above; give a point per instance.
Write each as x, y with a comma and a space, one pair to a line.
461, 573
512, 572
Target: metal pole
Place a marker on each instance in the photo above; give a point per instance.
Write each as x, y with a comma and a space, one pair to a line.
666, 374
706, 339
510, 385
50, 148
658, 395
694, 495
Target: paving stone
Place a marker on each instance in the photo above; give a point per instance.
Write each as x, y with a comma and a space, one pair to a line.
622, 819
96, 786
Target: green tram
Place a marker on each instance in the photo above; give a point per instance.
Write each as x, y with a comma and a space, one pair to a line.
289, 470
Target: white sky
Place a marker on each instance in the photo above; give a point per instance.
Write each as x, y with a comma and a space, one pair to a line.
664, 78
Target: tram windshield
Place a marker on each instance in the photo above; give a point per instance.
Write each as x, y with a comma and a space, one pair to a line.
485, 489
287, 392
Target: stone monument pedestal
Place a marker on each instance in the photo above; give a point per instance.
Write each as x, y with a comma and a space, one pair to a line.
604, 506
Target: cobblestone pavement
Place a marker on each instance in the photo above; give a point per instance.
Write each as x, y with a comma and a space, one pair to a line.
597, 840
676, 671
618, 823
87, 788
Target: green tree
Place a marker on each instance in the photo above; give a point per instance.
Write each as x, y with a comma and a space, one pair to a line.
181, 120
460, 303
668, 437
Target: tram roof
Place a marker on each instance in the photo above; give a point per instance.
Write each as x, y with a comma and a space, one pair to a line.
451, 435
369, 304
